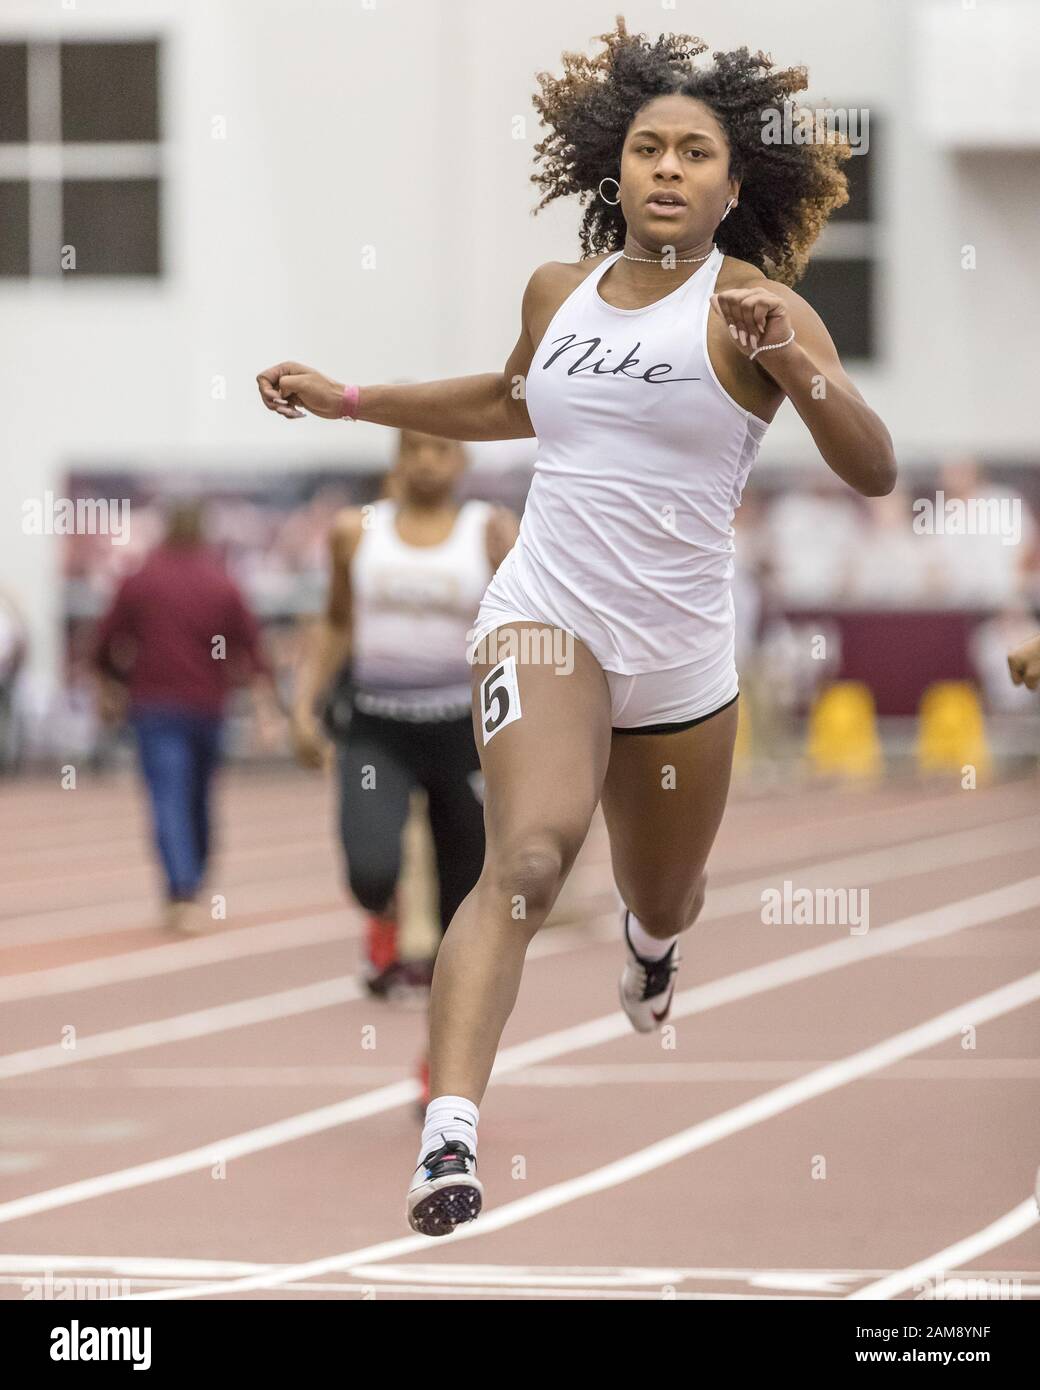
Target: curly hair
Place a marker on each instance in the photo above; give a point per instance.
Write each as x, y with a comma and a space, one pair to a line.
787, 192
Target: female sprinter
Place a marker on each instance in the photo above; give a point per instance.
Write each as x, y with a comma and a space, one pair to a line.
649, 410
407, 575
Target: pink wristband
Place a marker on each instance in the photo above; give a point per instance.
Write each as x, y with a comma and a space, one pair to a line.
351, 396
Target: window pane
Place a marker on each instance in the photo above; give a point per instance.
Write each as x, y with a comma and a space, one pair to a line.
109, 91
14, 227
14, 108
114, 225
842, 293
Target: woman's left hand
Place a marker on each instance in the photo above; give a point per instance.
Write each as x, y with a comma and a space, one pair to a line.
755, 317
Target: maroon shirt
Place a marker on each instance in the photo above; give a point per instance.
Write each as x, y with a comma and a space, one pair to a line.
159, 633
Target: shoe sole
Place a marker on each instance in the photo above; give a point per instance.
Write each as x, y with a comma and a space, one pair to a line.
441, 1209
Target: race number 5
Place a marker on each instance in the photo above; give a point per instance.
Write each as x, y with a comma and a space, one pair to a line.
499, 698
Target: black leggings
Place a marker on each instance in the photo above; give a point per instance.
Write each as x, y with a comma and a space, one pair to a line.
380, 761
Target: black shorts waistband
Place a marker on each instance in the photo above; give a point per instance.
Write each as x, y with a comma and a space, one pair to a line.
676, 728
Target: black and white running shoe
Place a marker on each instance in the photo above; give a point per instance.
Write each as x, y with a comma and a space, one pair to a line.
444, 1191
646, 986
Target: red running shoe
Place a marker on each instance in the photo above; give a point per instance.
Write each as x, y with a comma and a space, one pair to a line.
380, 964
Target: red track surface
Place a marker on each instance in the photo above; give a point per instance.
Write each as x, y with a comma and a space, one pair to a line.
886, 1161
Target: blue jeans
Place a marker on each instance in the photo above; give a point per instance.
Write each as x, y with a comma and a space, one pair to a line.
179, 751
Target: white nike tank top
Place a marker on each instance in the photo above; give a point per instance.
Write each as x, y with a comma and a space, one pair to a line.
412, 609
627, 535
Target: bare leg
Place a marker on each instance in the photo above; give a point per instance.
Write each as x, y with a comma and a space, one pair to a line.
542, 779
663, 801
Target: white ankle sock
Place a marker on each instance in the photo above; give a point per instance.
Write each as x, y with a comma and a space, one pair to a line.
449, 1117
645, 945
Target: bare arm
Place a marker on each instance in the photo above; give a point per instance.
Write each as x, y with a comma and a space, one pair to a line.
488, 406
326, 643
851, 437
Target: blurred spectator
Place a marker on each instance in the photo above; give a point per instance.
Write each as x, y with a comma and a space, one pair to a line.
813, 534
991, 642
178, 636
13, 648
1024, 663
891, 566
987, 566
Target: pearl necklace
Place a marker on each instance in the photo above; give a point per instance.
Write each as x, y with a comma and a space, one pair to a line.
681, 260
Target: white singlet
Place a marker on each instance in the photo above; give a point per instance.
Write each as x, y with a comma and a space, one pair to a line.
413, 607
627, 537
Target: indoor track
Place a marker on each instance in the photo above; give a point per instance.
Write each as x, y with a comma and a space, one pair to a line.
838, 1113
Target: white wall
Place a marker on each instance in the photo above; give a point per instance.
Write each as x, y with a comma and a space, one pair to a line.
391, 127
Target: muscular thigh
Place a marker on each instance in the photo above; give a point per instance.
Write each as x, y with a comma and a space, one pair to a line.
544, 770
663, 800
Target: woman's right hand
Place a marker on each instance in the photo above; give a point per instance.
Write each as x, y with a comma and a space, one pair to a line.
289, 385
1024, 664
311, 747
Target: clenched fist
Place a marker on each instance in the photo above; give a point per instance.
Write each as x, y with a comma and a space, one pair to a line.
310, 745
288, 386
1024, 664
755, 317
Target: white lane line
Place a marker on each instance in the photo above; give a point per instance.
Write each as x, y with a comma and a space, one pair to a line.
31, 1288
934, 852
905, 860
923, 855
229, 944
207, 1078
999, 1232
966, 1068
135, 847
980, 910
141, 869
241, 1013
642, 1161
938, 851
987, 907
341, 924
144, 1267
219, 1150
603, 1276
139, 914
264, 1008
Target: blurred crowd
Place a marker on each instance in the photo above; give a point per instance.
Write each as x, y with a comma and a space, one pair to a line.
820, 544
929, 545
274, 546
804, 543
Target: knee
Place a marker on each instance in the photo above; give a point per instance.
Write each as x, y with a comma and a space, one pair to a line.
529, 875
